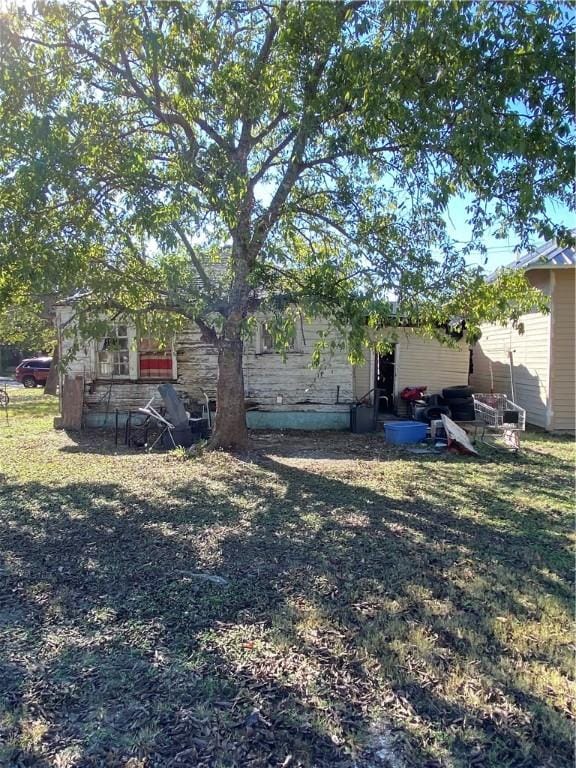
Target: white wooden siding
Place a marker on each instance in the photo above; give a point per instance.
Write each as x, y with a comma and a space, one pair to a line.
419, 360
422, 361
530, 356
563, 358
363, 375
197, 365
84, 361
269, 379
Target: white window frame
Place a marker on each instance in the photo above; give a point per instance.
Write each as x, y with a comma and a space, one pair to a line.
130, 336
133, 359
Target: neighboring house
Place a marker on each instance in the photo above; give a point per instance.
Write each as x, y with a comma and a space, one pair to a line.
539, 364
121, 373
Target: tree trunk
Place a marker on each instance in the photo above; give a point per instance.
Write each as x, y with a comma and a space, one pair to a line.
52, 380
230, 431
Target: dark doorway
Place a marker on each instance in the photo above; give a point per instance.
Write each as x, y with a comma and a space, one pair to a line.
385, 366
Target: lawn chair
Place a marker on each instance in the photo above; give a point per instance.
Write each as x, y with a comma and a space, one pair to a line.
166, 428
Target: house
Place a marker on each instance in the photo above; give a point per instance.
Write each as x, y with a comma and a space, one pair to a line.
538, 364
120, 373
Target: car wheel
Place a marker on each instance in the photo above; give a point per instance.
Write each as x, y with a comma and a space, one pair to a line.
29, 382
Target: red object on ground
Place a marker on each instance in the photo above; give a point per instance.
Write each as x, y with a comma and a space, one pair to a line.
412, 393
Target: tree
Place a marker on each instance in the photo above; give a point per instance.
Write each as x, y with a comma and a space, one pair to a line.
317, 144
27, 328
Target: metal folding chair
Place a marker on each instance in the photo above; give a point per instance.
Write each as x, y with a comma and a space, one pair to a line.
165, 426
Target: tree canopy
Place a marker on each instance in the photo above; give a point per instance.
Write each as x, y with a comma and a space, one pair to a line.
27, 327
316, 145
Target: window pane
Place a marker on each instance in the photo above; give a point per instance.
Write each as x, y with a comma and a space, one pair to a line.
267, 343
122, 367
105, 364
114, 357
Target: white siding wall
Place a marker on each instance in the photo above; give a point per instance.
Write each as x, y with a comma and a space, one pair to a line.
84, 361
530, 355
363, 376
427, 362
267, 376
563, 343
196, 365
419, 361
196, 371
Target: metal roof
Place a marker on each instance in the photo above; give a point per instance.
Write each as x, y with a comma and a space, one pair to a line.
548, 255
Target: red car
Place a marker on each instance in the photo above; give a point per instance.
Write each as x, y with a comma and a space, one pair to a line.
33, 371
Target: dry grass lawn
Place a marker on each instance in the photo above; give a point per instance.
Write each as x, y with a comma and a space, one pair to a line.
381, 609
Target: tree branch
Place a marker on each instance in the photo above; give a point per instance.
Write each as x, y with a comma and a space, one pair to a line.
208, 333
267, 164
327, 220
306, 128
283, 114
194, 258
261, 60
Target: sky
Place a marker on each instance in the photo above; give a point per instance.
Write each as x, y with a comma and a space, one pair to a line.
499, 252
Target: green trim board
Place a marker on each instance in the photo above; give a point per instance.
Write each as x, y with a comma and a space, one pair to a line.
306, 419
257, 419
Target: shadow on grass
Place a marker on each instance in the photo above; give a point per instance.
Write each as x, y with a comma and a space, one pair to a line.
345, 607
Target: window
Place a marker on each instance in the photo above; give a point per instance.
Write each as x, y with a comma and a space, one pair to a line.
154, 363
267, 342
114, 353
120, 355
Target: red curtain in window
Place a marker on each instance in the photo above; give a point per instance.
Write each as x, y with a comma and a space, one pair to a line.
155, 365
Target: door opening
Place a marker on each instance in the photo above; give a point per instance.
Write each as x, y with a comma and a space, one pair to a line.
385, 370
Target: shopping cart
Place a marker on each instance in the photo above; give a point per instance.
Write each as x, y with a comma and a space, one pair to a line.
496, 412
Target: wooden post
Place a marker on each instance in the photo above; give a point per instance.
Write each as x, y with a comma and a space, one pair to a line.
72, 402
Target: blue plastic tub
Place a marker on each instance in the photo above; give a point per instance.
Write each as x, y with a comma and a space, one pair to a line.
405, 432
